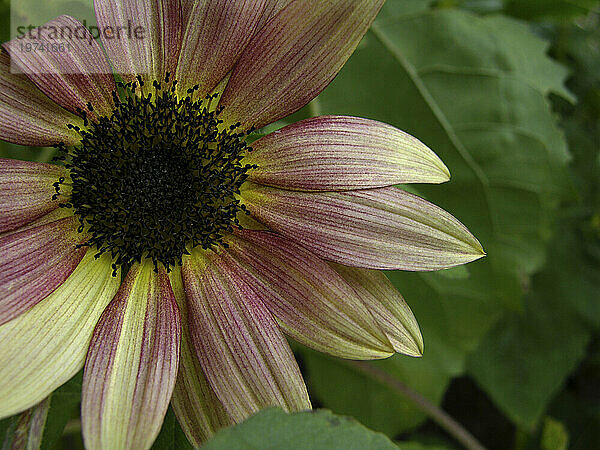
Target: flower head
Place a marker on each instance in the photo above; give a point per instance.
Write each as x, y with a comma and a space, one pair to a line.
224, 244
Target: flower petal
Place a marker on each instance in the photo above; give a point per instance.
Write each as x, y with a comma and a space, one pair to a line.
44, 347
72, 78
214, 41
146, 36
34, 262
29, 428
245, 358
272, 7
198, 410
332, 153
385, 228
387, 306
132, 363
313, 304
26, 190
294, 57
27, 115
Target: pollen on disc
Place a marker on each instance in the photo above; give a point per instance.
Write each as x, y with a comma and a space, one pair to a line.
157, 177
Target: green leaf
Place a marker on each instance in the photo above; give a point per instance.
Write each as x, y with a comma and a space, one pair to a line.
556, 9
6, 425
274, 429
474, 89
524, 361
171, 436
419, 446
376, 405
527, 358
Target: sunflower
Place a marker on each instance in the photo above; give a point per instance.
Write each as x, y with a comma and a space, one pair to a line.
168, 252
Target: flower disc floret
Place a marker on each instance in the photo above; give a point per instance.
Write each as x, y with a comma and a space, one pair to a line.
156, 178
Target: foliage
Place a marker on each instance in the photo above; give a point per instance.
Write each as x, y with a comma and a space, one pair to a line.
274, 429
475, 90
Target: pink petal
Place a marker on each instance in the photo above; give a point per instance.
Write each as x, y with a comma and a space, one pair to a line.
26, 190
34, 262
313, 304
272, 7
385, 228
387, 306
151, 39
132, 363
27, 116
342, 153
72, 78
294, 57
215, 39
196, 406
245, 358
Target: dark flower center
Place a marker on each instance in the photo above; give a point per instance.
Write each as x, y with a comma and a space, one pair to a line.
157, 177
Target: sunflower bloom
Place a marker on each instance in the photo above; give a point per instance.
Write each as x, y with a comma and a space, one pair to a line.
223, 245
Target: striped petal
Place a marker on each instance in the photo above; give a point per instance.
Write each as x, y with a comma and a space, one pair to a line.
198, 410
215, 39
132, 363
146, 38
387, 306
313, 304
29, 428
245, 358
44, 347
333, 153
272, 7
26, 190
294, 57
72, 78
27, 115
385, 228
36, 261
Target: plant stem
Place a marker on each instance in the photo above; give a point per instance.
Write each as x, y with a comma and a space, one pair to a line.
439, 416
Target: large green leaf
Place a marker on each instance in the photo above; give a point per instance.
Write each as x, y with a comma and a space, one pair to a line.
524, 361
274, 429
475, 90
557, 9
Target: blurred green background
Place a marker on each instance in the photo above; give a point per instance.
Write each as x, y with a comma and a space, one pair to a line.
507, 93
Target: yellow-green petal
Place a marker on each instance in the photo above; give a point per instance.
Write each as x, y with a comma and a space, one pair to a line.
44, 347
387, 306
131, 366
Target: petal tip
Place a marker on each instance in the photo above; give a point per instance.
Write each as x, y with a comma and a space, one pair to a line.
412, 344
446, 176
